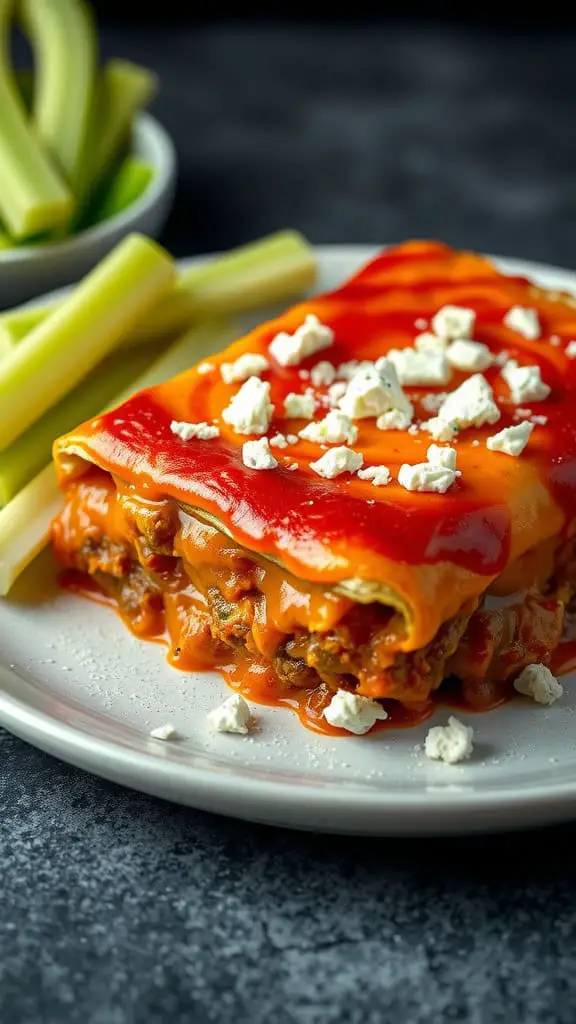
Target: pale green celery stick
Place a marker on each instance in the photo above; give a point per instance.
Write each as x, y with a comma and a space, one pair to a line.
273, 269
25, 521
124, 89
16, 323
62, 349
64, 43
128, 184
33, 197
31, 451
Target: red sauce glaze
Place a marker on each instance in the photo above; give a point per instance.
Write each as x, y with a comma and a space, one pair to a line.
470, 526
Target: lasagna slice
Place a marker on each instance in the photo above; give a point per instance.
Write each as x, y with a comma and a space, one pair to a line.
375, 491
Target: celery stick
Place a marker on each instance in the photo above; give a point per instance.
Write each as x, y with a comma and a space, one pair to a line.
17, 323
64, 42
33, 197
25, 525
125, 89
25, 521
273, 269
128, 184
61, 350
31, 451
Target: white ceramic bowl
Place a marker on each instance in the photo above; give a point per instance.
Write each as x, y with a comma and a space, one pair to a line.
27, 271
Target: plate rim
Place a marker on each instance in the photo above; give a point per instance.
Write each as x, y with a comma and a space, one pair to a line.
209, 788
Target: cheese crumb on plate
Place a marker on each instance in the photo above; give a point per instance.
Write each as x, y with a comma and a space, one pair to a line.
449, 743
356, 714
165, 732
232, 716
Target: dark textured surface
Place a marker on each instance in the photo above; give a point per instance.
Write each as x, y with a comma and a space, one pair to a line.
119, 909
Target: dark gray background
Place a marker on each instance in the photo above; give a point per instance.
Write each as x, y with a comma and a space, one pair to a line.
119, 909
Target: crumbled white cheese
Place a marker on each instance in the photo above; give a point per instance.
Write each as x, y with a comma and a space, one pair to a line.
231, 716
525, 382
323, 374
279, 441
421, 323
445, 457
304, 374
470, 405
449, 743
257, 454
511, 440
537, 681
251, 364
438, 429
393, 420
356, 714
335, 428
432, 402
299, 406
570, 350
379, 475
522, 414
335, 392
416, 369
200, 431
250, 409
203, 368
453, 322
539, 421
165, 732
372, 392
524, 321
292, 466
468, 355
348, 370
337, 461
292, 438
312, 336
429, 342
426, 477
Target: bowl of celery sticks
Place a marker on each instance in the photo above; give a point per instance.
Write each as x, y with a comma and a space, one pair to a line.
81, 163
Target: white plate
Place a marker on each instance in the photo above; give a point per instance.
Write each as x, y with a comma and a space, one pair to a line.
74, 682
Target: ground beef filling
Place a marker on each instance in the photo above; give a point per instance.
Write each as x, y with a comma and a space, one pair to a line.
484, 649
